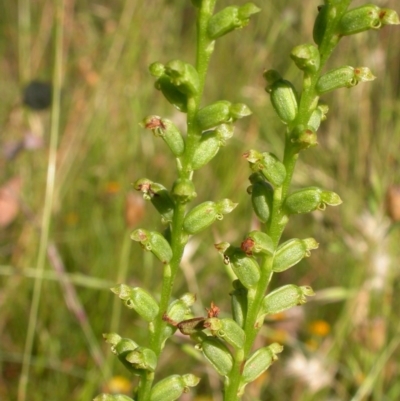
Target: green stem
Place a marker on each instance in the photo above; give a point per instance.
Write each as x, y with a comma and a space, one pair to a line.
178, 238
278, 222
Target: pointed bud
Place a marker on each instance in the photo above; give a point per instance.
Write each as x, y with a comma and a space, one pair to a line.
168, 131
284, 298
227, 330
217, 354
143, 359
306, 57
184, 76
309, 199
121, 347
206, 150
318, 115
283, 97
214, 114
159, 197
363, 74
259, 361
138, 299
239, 302
268, 164
292, 252
171, 93
203, 215
245, 267
183, 190
172, 387
261, 197
342, 77
229, 19
360, 19
154, 242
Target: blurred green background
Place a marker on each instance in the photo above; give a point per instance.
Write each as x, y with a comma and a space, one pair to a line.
343, 345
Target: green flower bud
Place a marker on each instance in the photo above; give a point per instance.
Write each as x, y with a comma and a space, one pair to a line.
167, 130
309, 199
200, 217
183, 190
178, 311
138, 299
159, 197
172, 387
326, 13
214, 114
342, 77
206, 150
283, 97
112, 397
154, 242
122, 347
268, 164
306, 57
239, 302
303, 138
292, 252
262, 195
229, 19
359, 19
184, 76
217, 354
257, 242
119, 344
227, 330
284, 298
157, 69
172, 93
203, 215
245, 267
143, 359
317, 116
259, 361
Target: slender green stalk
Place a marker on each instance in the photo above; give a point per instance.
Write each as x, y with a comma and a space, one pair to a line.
178, 239
48, 202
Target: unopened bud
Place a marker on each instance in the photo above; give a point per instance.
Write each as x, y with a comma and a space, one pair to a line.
138, 299
309, 199
306, 57
229, 19
283, 97
154, 242
168, 131
245, 267
259, 361
292, 252
183, 190
172, 387
284, 298
261, 197
227, 330
217, 354
159, 197
360, 19
268, 164
184, 76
